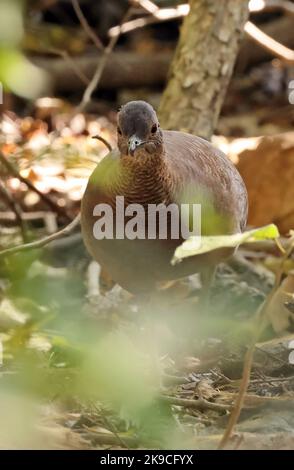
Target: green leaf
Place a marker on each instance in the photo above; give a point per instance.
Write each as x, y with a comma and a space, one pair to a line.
195, 246
17, 74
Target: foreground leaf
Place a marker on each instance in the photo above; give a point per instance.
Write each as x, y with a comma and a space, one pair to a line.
193, 246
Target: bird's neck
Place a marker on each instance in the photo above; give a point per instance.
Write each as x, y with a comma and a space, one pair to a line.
144, 181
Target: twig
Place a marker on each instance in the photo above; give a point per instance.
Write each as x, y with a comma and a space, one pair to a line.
174, 380
11, 168
264, 40
72, 64
44, 241
104, 141
109, 438
99, 70
239, 441
200, 404
147, 5
255, 33
248, 361
26, 216
268, 5
16, 209
272, 356
89, 31
109, 424
115, 433
270, 380
162, 14
166, 14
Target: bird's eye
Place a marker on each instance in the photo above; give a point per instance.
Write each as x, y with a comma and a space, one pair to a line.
119, 131
153, 128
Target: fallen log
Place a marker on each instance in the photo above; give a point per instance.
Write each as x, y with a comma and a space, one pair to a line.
123, 69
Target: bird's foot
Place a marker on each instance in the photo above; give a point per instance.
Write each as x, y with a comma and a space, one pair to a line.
101, 305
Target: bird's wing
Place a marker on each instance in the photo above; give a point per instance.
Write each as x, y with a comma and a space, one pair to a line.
203, 174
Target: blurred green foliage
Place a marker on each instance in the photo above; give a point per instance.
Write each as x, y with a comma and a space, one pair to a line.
59, 350
17, 74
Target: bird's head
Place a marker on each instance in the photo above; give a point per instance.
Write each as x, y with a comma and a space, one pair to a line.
138, 131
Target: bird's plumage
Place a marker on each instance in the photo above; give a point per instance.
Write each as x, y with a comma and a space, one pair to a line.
169, 167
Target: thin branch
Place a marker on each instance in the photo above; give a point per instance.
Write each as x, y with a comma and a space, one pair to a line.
166, 14
147, 5
113, 429
26, 216
264, 40
99, 70
258, 6
67, 230
16, 209
12, 170
72, 64
161, 15
87, 28
255, 33
200, 404
104, 141
109, 439
261, 320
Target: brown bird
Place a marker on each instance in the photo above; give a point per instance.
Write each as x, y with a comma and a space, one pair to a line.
153, 166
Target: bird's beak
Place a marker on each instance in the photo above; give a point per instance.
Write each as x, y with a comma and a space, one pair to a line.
133, 143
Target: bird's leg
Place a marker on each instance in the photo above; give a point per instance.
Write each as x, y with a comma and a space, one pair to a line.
207, 277
93, 281
99, 302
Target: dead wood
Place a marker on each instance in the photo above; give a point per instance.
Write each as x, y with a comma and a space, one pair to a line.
123, 69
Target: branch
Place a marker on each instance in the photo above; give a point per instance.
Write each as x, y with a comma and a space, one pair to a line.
72, 64
255, 33
26, 216
16, 209
162, 14
257, 6
147, 5
104, 141
110, 439
87, 28
67, 230
248, 361
99, 70
200, 404
166, 14
268, 43
12, 170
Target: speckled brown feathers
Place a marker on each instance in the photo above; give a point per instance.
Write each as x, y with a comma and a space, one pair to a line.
153, 166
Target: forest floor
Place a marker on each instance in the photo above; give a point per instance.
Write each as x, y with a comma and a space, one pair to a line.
78, 361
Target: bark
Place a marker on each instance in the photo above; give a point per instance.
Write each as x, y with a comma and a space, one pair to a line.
202, 66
